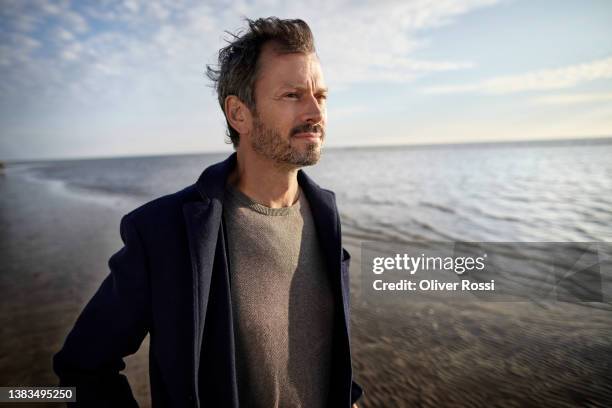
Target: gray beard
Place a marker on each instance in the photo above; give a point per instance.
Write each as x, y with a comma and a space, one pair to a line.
269, 143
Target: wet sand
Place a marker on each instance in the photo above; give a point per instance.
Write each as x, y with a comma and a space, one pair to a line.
54, 249
479, 354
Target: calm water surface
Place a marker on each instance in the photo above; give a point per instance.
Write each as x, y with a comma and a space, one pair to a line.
504, 192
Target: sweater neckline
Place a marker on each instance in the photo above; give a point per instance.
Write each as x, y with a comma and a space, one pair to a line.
245, 201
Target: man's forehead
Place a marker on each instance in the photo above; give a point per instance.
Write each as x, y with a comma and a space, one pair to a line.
290, 69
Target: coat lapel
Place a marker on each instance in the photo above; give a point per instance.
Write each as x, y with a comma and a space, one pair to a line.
203, 223
325, 214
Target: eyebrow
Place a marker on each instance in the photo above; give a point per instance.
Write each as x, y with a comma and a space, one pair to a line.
295, 86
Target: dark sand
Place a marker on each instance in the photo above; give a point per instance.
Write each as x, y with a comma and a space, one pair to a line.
480, 354
54, 249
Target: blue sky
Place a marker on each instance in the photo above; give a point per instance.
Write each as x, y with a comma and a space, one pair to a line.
120, 78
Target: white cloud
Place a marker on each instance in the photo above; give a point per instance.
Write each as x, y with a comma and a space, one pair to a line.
374, 42
25, 43
72, 52
76, 21
51, 8
573, 98
132, 5
61, 34
542, 80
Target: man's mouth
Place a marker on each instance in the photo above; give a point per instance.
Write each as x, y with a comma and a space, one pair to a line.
308, 132
308, 135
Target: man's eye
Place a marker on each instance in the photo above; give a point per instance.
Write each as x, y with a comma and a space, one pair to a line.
292, 95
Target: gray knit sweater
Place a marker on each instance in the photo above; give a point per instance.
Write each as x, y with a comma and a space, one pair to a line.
282, 304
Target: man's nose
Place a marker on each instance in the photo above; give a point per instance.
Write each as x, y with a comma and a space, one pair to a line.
313, 111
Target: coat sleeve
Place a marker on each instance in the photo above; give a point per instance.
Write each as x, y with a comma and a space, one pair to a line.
356, 392
112, 326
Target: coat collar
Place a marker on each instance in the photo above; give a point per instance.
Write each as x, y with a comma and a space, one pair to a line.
211, 184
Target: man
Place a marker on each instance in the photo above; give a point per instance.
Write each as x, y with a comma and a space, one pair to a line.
240, 279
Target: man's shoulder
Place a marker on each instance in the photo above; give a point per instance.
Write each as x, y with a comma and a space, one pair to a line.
330, 197
163, 209
329, 192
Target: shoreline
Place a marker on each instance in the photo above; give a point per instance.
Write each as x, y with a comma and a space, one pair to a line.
118, 201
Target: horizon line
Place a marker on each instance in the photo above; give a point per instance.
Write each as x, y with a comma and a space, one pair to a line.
603, 139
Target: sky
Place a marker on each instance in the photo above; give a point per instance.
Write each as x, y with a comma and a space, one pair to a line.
123, 78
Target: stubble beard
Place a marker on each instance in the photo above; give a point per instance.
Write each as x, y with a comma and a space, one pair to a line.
269, 143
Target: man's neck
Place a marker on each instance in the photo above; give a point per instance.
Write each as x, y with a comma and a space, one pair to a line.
265, 181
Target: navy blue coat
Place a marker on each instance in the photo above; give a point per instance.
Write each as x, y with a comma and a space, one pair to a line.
171, 280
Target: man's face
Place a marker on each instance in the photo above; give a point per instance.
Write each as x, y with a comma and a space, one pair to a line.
289, 122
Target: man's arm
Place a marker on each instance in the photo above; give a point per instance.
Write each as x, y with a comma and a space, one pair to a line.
112, 326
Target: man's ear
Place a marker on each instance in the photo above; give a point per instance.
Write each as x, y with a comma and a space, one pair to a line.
238, 114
